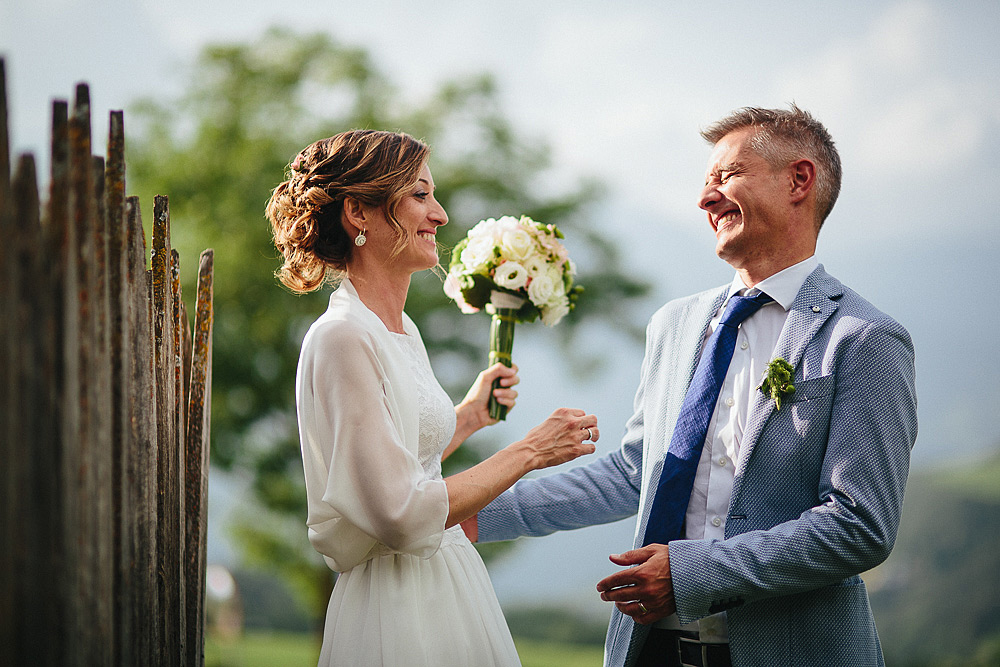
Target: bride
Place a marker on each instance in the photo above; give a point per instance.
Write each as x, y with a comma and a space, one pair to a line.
375, 424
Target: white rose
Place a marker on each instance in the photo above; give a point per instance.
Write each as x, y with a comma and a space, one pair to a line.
507, 223
479, 251
489, 228
511, 275
545, 287
555, 312
516, 244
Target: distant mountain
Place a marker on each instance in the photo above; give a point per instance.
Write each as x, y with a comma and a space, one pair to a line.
937, 598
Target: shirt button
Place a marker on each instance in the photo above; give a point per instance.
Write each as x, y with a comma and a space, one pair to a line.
716, 521
744, 345
730, 402
722, 460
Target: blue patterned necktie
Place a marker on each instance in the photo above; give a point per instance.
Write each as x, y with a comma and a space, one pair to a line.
666, 516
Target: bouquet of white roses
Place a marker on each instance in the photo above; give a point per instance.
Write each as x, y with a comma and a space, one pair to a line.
517, 270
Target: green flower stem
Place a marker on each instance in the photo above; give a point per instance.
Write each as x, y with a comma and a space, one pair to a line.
501, 344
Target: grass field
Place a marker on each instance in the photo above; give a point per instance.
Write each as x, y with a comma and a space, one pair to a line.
981, 481
258, 649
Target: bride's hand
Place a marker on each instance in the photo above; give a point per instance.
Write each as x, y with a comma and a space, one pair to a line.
564, 436
473, 412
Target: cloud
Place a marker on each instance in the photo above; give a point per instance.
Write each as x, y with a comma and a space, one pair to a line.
890, 91
616, 97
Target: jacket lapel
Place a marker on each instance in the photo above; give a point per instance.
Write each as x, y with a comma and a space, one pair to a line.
813, 306
692, 338
679, 359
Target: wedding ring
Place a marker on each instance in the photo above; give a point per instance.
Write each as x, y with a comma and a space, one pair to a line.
642, 608
590, 434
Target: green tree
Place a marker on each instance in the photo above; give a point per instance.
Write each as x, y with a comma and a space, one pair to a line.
219, 149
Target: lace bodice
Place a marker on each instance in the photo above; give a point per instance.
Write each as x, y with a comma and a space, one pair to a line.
437, 414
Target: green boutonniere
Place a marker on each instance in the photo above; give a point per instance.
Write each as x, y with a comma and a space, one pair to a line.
778, 381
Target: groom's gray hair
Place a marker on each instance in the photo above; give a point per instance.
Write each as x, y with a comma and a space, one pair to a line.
783, 136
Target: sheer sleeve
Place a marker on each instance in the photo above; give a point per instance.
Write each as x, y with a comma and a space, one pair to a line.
364, 484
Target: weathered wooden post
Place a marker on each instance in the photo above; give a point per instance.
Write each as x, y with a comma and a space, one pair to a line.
139, 413
8, 474
105, 415
196, 456
168, 454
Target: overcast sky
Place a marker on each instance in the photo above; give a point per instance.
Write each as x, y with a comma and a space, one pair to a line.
910, 91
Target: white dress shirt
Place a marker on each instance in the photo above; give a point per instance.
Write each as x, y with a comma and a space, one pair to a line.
713, 483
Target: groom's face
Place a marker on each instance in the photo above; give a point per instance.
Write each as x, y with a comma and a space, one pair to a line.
745, 199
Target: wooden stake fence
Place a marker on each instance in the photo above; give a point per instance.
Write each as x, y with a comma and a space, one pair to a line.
104, 428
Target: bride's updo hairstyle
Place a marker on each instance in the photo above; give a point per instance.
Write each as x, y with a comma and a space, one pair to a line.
375, 168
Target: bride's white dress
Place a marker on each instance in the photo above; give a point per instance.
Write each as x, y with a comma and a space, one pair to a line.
402, 609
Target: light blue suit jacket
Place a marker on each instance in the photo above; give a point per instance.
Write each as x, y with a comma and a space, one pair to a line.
816, 498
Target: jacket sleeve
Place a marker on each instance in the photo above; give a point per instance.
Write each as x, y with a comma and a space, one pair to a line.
361, 479
603, 491
861, 466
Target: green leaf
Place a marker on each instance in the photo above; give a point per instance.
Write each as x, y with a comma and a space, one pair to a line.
478, 295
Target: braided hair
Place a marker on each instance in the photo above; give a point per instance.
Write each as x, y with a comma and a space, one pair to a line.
373, 167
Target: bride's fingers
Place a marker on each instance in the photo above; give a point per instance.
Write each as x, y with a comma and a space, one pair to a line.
506, 374
510, 381
507, 382
505, 396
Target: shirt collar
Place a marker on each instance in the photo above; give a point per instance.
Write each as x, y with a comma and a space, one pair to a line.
783, 286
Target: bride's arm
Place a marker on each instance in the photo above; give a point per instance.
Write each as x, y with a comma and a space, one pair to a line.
564, 436
473, 412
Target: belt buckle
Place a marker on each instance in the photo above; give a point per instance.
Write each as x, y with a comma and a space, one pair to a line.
698, 653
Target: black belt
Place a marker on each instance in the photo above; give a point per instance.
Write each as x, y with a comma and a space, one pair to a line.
680, 648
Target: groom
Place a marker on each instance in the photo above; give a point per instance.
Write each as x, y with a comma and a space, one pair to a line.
757, 511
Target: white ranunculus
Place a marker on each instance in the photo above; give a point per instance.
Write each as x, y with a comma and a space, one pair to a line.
555, 312
479, 251
511, 275
516, 244
536, 265
545, 287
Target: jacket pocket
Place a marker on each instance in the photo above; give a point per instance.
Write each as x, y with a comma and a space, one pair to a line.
812, 389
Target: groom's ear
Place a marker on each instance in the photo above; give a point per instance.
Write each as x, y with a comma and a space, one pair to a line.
803, 178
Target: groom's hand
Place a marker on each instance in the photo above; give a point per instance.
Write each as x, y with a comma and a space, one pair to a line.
645, 591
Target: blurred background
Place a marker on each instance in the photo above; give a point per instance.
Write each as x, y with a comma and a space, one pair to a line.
584, 114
